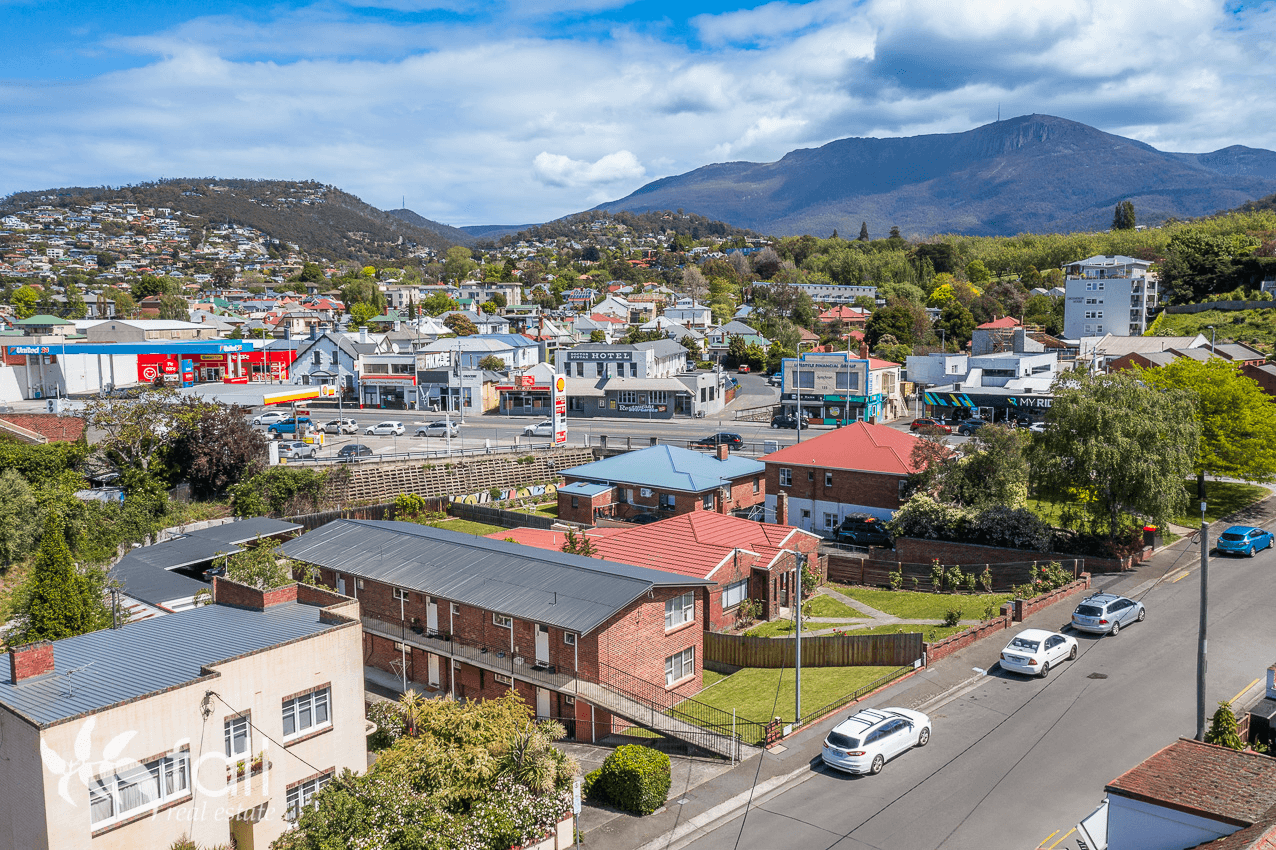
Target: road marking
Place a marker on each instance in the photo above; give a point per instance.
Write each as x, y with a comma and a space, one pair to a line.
1185, 575
1245, 690
1065, 836
1047, 838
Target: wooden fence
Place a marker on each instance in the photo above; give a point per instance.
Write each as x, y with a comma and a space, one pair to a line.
871, 572
384, 510
501, 517
895, 650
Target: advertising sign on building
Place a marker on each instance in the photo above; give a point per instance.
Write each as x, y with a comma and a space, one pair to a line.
560, 410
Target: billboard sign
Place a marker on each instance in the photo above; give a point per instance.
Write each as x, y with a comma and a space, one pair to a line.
560, 410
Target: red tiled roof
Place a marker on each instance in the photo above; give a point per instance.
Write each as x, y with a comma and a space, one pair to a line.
600, 317
845, 314
54, 428
860, 446
693, 544
876, 363
1205, 780
1003, 322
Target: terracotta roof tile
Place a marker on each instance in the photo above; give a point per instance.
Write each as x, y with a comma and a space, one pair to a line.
860, 446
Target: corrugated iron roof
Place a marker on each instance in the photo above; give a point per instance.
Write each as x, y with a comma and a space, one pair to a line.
103, 668
668, 468
568, 591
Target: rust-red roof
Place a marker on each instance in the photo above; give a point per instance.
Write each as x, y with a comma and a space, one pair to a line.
54, 428
860, 446
1003, 322
1205, 780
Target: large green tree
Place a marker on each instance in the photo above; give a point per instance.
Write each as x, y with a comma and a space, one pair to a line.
17, 516
24, 299
1121, 444
215, 447
1123, 217
1237, 418
58, 600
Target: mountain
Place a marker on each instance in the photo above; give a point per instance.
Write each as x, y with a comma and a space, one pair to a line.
322, 220
1035, 173
455, 235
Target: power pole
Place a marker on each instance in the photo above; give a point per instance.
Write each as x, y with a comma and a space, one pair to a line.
798, 560
1202, 641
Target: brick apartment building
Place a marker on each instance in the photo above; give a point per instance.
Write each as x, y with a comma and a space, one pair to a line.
860, 468
662, 481
476, 617
230, 715
744, 559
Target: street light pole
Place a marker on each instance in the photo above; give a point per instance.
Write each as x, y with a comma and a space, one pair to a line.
797, 659
1202, 641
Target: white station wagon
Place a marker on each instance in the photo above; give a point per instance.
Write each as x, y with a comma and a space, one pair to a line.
865, 741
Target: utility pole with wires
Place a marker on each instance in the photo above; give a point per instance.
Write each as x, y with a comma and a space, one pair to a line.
1202, 639
798, 562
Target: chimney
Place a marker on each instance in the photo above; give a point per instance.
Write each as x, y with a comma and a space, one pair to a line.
30, 660
397, 325
782, 509
724, 496
363, 333
864, 350
723, 451
314, 331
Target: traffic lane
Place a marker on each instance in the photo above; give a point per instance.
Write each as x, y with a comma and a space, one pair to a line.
1018, 758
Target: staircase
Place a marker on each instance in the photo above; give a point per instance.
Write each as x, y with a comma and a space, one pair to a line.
650, 717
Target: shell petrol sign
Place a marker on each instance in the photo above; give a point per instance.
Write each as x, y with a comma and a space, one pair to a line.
560, 410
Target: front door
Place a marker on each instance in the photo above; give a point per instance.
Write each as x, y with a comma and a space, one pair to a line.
542, 644
432, 661
432, 617
341, 585
542, 703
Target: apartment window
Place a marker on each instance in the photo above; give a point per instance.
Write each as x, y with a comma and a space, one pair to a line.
569, 638
306, 712
456, 609
830, 520
680, 665
507, 681
625, 495
707, 501
757, 483
806, 514
828, 479
786, 478
628, 397
580, 369
680, 609
806, 380
302, 794
139, 788
633, 369
400, 595
502, 621
733, 594
1094, 314
666, 500
332, 357
575, 503
317, 358
810, 475
238, 737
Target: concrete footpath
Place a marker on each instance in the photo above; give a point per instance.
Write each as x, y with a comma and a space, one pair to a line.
703, 799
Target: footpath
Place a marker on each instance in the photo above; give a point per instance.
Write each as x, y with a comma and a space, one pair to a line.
704, 797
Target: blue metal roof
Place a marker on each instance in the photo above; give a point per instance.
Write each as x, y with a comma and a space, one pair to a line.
584, 488
103, 668
668, 468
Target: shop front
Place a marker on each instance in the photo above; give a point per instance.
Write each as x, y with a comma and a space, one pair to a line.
525, 397
388, 392
833, 409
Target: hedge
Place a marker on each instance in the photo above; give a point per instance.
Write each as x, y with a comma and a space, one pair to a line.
634, 779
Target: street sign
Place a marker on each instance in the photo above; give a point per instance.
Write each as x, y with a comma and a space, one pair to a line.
560, 410
576, 797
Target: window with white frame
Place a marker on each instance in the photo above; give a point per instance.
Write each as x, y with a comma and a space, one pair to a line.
680, 609
828, 479
317, 359
707, 501
400, 595
786, 477
666, 500
569, 638
507, 681
333, 357
302, 794
660, 397
307, 712
830, 520
456, 609
757, 483
502, 621
680, 665
628, 397
238, 737
139, 788
733, 594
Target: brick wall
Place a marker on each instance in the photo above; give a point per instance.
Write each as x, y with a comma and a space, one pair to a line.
849, 487
585, 507
30, 660
1027, 607
227, 592
1265, 379
961, 640
636, 643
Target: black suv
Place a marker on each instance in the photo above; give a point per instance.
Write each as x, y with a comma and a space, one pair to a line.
788, 420
863, 530
723, 438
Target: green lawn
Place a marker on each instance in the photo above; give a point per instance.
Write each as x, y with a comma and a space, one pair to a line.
939, 632
752, 691
827, 606
912, 605
1221, 498
784, 628
465, 526
711, 678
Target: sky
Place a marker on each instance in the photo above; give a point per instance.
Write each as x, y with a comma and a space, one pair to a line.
520, 112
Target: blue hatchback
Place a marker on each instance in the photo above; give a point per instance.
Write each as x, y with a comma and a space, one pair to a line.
1244, 540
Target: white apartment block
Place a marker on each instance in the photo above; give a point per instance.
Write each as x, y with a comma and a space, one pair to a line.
1108, 295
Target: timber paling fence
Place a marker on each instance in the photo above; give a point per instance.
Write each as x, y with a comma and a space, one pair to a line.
890, 650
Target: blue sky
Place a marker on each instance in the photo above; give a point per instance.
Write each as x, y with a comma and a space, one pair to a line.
494, 112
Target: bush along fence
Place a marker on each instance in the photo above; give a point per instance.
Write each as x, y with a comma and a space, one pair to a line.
989, 577
817, 651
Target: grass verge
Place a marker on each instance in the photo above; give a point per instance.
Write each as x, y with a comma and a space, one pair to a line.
827, 606
752, 690
1221, 498
913, 605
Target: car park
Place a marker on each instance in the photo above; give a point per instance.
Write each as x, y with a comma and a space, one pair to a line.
353, 451
788, 420
865, 741
1106, 614
733, 442
385, 429
1243, 540
270, 417
297, 449
438, 428
544, 428
340, 426
927, 422
970, 426
862, 530
1033, 652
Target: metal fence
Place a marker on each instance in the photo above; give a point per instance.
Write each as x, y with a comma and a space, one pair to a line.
816, 714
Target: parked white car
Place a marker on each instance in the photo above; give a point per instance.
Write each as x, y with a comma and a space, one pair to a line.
386, 429
271, 417
439, 428
1034, 651
296, 449
865, 741
544, 428
340, 426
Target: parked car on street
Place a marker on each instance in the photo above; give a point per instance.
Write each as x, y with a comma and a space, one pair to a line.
1106, 613
788, 420
865, 741
734, 442
970, 426
1034, 651
296, 449
544, 428
744, 369
926, 422
438, 428
1243, 540
862, 530
353, 451
385, 429
290, 426
340, 426
270, 417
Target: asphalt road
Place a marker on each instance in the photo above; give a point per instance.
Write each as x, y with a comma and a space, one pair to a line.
1016, 762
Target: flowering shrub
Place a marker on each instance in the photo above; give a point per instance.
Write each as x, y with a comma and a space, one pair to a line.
391, 724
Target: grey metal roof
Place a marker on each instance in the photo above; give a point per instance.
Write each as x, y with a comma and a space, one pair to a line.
246, 530
668, 468
114, 665
568, 591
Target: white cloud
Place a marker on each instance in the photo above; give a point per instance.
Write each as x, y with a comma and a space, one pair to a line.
558, 170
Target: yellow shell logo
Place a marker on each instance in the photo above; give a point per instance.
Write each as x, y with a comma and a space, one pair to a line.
561, 384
